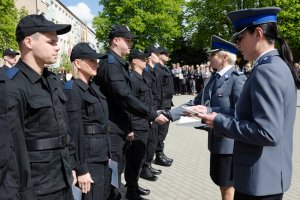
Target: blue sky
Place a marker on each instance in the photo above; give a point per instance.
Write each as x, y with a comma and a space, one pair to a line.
85, 10
92, 4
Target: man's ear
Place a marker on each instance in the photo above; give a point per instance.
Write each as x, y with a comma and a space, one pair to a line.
28, 42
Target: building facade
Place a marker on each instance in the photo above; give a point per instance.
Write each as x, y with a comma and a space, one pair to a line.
57, 12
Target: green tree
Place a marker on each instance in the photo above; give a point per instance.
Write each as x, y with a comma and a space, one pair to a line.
209, 17
65, 62
288, 24
8, 22
155, 21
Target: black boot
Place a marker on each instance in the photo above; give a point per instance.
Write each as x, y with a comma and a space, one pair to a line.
161, 160
167, 158
155, 171
143, 191
147, 175
132, 194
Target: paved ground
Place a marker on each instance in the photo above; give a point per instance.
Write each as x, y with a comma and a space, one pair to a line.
188, 177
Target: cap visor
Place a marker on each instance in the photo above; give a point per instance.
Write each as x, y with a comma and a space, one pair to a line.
61, 28
212, 50
95, 56
235, 35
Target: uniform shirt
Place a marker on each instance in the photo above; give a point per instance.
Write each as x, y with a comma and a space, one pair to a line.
38, 101
167, 85
141, 90
155, 85
88, 118
114, 82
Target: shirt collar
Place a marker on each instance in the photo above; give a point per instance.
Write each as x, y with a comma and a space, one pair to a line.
137, 74
81, 84
119, 58
32, 75
261, 55
224, 70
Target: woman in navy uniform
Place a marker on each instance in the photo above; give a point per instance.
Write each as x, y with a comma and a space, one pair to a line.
88, 118
265, 112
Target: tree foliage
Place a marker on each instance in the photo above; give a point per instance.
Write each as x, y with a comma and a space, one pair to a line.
208, 17
288, 24
155, 21
8, 23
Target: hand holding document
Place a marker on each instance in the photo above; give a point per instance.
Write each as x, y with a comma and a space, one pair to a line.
189, 109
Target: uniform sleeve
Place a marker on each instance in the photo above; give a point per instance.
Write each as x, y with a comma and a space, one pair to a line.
17, 103
122, 92
73, 107
177, 112
267, 100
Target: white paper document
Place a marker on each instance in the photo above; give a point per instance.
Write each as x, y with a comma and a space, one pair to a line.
77, 194
190, 122
114, 173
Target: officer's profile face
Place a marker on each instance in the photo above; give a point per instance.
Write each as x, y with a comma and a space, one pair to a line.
154, 57
87, 67
10, 59
164, 57
215, 59
44, 47
246, 43
139, 63
123, 45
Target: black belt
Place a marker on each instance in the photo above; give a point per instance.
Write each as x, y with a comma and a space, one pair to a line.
47, 143
95, 129
167, 96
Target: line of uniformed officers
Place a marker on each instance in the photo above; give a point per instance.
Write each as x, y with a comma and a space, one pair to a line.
54, 138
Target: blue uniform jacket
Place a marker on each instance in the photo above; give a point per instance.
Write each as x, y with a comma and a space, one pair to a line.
263, 128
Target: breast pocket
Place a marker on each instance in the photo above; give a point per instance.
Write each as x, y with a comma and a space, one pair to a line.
92, 104
39, 111
144, 93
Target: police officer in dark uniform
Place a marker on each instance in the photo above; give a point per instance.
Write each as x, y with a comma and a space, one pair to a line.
8, 180
40, 131
148, 172
138, 141
166, 80
88, 118
115, 85
9, 57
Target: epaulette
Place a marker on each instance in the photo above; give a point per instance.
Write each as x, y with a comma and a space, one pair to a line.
68, 85
147, 69
236, 72
111, 59
265, 60
11, 72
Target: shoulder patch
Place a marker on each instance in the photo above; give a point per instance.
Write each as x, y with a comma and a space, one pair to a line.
11, 72
111, 59
265, 60
147, 69
68, 85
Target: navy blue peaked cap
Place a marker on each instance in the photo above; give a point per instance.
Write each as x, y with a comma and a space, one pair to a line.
218, 44
241, 19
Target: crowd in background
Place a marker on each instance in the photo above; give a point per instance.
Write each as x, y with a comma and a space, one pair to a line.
190, 79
